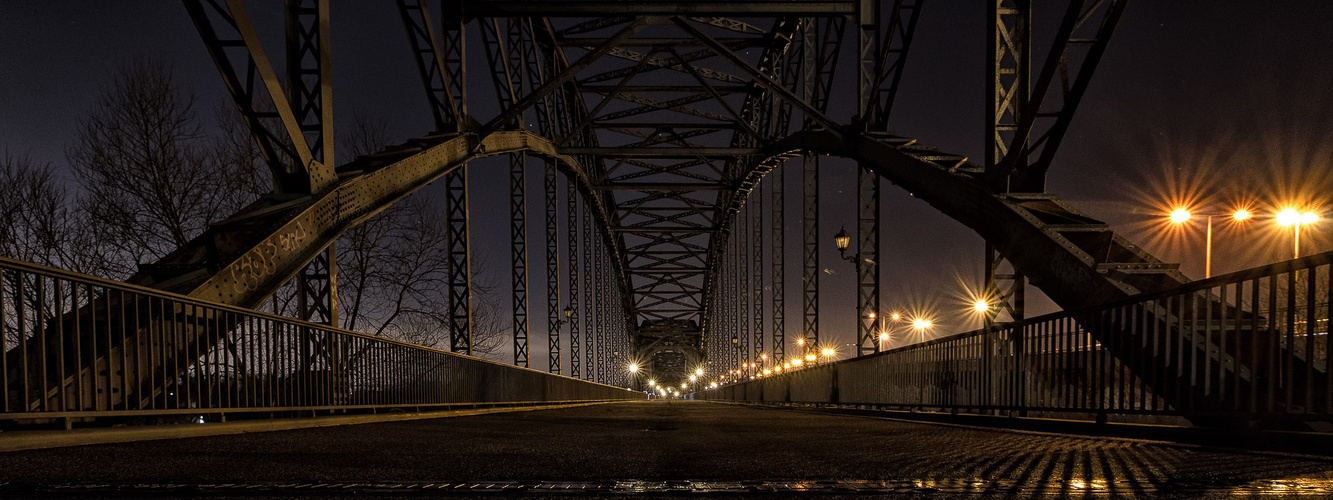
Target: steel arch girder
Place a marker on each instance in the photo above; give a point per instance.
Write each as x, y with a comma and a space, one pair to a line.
1066, 270
242, 270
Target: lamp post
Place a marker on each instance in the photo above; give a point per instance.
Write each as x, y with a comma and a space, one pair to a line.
842, 240
1285, 217
1181, 215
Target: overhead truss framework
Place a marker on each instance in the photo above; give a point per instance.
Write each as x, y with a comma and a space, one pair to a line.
663, 118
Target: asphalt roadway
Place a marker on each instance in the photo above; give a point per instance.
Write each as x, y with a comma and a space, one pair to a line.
659, 449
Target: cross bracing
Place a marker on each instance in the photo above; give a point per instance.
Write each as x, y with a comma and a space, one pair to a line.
665, 121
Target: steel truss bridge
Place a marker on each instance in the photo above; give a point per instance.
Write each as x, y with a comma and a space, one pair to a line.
662, 132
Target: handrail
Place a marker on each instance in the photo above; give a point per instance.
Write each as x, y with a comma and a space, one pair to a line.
1253, 345
82, 347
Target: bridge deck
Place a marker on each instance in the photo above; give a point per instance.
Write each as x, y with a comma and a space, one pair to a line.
657, 446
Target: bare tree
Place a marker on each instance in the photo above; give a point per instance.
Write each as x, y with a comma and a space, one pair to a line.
393, 269
42, 224
151, 179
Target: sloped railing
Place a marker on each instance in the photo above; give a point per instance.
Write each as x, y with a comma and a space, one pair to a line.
79, 348
1248, 346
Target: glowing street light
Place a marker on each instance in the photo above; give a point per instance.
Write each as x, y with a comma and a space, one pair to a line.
980, 306
699, 372
1181, 216
633, 368
921, 323
1295, 219
693, 378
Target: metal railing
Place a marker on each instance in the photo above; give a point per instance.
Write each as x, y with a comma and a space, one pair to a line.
80, 347
1247, 346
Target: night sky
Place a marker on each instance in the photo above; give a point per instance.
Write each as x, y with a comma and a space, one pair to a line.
1215, 102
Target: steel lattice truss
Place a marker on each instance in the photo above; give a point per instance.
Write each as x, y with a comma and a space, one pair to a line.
665, 121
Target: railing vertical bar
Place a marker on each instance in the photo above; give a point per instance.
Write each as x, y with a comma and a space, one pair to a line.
1051, 396
1222, 352
1099, 320
124, 351
1289, 354
278, 362
237, 374
1135, 370
1310, 320
1192, 371
4, 344
39, 330
1274, 337
1067, 360
1152, 336
1255, 357
1084, 363
1125, 343
157, 380
207, 348
1138, 371
1175, 336
21, 306
80, 391
1038, 388
1328, 342
171, 356
138, 354
198, 396
1207, 373
58, 317
1237, 341
254, 380
1116, 361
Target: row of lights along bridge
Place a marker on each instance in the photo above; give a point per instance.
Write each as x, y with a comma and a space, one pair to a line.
1288, 217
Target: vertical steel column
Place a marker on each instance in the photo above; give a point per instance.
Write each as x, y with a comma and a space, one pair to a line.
733, 309
810, 253
310, 94
573, 215
757, 270
518, 233
455, 57
317, 289
309, 75
460, 264
552, 271
868, 36
742, 236
867, 260
589, 354
779, 268
1008, 64
599, 315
